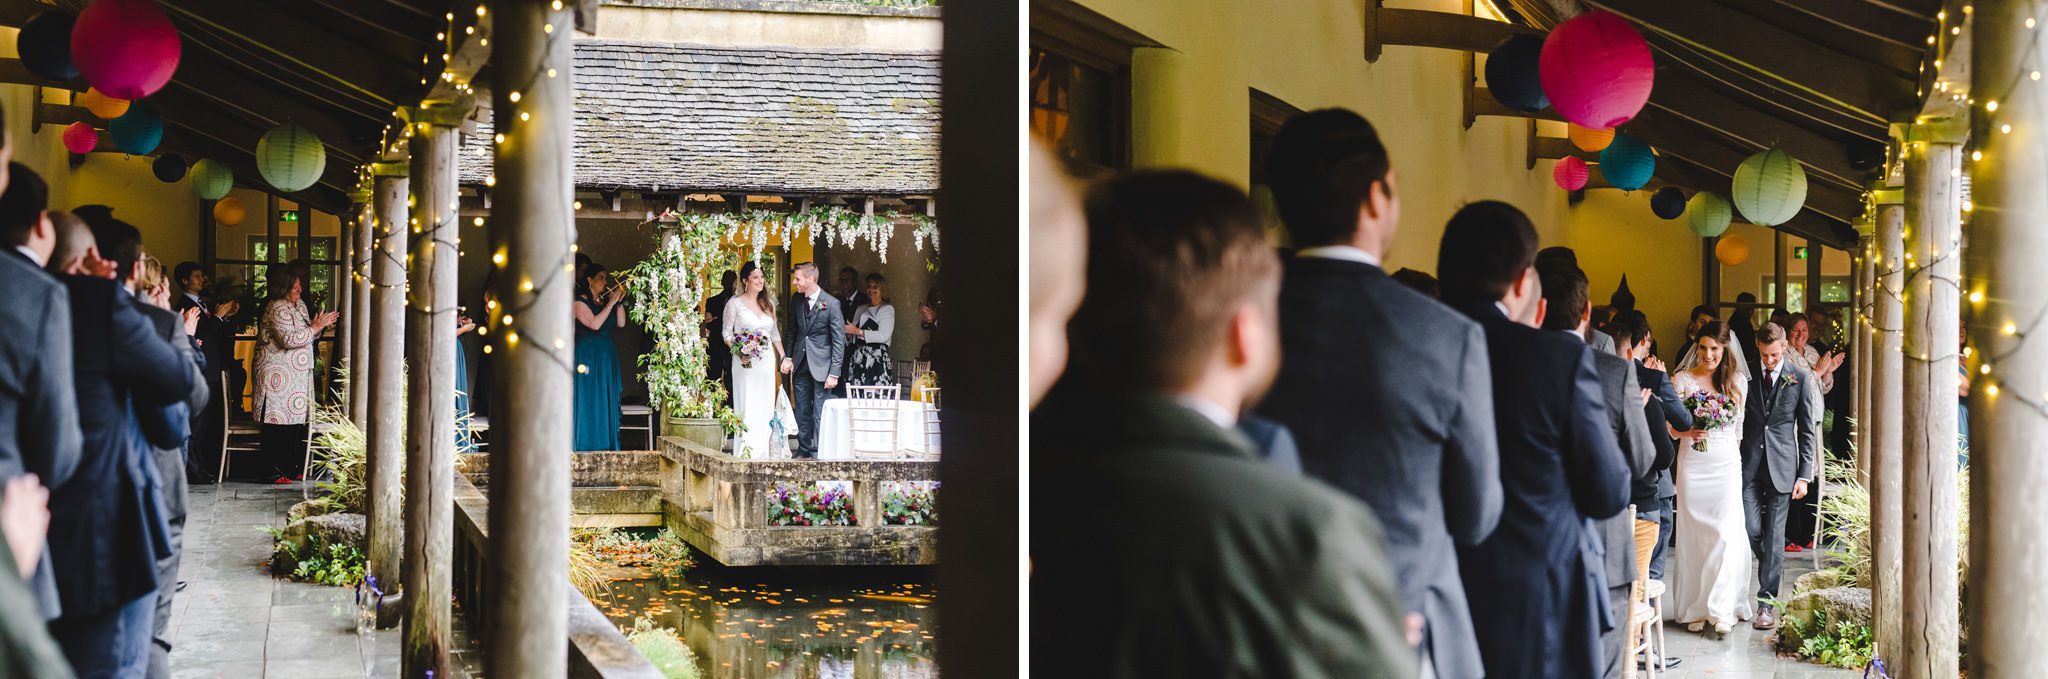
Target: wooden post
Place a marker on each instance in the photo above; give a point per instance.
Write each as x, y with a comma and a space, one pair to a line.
1779, 285
1815, 255
1933, 264
532, 227
345, 333
2008, 510
385, 437
359, 307
1885, 469
430, 423
1866, 347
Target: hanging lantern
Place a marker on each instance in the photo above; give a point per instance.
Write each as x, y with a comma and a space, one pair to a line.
169, 167
290, 157
81, 138
1588, 139
126, 48
45, 45
1769, 188
1597, 70
1708, 214
103, 106
1627, 162
229, 212
138, 132
1668, 203
1570, 173
1511, 74
1732, 250
211, 180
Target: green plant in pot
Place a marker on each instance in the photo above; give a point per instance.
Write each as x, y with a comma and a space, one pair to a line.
668, 293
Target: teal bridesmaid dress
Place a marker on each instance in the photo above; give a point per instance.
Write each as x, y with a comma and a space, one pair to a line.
597, 383
463, 442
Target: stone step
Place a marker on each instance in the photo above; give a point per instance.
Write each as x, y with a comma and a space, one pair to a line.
615, 507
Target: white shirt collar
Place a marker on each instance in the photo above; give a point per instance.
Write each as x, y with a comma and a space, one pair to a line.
1347, 253
26, 250
195, 299
1215, 413
1503, 307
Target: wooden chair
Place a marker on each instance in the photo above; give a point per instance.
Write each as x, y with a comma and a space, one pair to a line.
645, 414
479, 427
230, 430
872, 410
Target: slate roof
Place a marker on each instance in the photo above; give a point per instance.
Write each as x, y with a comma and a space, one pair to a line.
759, 120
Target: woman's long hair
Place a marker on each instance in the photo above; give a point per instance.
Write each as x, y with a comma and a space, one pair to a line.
763, 299
1726, 379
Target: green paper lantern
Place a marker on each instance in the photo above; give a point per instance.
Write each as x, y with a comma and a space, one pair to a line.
1769, 188
290, 157
211, 179
1708, 214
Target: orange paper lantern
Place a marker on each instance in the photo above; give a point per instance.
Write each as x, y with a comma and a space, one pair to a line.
103, 106
1732, 250
1589, 139
229, 212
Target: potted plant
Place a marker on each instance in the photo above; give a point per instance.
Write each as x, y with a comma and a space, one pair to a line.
668, 295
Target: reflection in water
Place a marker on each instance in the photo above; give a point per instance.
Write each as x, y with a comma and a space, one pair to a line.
793, 623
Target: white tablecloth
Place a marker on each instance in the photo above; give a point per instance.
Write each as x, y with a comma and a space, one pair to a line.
836, 426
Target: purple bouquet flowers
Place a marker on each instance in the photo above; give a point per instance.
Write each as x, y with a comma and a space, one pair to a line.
1710, 411
749, 345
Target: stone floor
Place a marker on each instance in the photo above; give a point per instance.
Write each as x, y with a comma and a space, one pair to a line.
1745, 653
235, 621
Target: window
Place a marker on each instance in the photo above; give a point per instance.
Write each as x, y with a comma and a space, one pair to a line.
1080, 85
1268, 114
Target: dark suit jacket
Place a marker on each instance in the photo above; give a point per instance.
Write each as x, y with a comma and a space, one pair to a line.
1199, 560
1623, 397
1273, 442
1779, 427
107, 524
216, 336
1537, 599
714, 312
1665, 409
168, 429
38, 403
1386, 392
815, 338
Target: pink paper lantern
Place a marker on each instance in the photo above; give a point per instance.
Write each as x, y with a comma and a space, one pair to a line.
1596, 70
1571, 173
81, 138
126, 49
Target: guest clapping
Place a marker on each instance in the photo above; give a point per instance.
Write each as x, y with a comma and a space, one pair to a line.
284, 372
868, 334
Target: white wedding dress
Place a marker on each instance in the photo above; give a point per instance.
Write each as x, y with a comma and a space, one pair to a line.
1710, 569
753, 388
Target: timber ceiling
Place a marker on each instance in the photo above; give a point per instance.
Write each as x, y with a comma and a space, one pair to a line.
1821, 79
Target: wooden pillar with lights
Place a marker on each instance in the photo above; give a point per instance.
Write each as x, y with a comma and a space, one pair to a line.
359, 310
1862, 334
532, 228
1886, 524
385, 436
1928, 452
2009, 402
344, 304
430, 361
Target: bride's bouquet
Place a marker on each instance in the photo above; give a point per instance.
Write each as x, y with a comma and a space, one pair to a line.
1710, 411
749, 345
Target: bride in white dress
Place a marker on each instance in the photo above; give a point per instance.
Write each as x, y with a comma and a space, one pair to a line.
753, 382
1711, 567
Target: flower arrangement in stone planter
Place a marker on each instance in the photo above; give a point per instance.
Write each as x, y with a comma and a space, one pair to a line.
911, 504
809, 506
668, 291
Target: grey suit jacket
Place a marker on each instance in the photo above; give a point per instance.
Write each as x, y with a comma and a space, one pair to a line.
1624, 408
1779, 427
170, 460
816, 339
38, 401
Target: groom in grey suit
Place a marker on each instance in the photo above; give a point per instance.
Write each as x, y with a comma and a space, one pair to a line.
1780, 434
816, 342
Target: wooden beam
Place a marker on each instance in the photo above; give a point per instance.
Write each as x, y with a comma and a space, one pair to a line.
1423, 28
1483, 104
1673, 139
466, 58
1685, 96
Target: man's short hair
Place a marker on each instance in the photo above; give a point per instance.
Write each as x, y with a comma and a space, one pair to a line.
1771, 332
183, 273
120, 243
1629, 328
1486, 247
22, 204
73, 239
802, 267
1172, 256
1421, 282
1323, 167
1564, 290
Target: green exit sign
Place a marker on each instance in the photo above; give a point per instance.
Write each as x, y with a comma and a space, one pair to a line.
293, 216
1799, 252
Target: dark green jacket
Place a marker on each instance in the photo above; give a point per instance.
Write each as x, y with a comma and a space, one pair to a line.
1161, 546
26, 649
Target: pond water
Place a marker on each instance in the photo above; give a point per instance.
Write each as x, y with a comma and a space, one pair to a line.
792, 623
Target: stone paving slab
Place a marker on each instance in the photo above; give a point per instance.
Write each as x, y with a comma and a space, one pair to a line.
1746, 653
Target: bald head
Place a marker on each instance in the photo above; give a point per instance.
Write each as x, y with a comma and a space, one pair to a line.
74, 241
1058, 267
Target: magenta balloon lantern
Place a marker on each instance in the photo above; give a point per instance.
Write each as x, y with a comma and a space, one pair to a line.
1571, 173
79, 137
1597, 70
126, 49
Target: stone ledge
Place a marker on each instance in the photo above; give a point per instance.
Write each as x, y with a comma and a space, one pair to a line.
785, 7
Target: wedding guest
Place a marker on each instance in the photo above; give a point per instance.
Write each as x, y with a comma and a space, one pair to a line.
284, 373
928, 319
720, 353
216, 339
868, 337
1059, 256
1421, 282
1560, 462
1273, 574
851, 295
1780, 440
1273, 442
1701, 316
39, 420
598, 310
26, 649
1742, 324
168, 431
1653, 494
465, 441
1404, 421
1799, 351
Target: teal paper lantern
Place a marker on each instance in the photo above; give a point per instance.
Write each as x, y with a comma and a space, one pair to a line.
1627, 162
290, 157
211, 180
1769, 188
138, 131
1708, 214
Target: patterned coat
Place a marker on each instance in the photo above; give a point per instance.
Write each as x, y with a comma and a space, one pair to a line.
284, 363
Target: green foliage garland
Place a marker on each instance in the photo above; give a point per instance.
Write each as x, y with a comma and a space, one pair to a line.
668, 290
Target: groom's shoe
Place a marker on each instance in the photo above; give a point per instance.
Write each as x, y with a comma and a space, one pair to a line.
1766, 618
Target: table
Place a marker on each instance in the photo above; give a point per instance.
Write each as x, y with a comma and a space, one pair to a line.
835, 428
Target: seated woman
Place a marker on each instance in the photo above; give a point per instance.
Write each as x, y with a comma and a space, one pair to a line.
869, 331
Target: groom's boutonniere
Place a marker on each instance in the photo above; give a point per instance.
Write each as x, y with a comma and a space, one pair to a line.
821, 304
1788, 379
